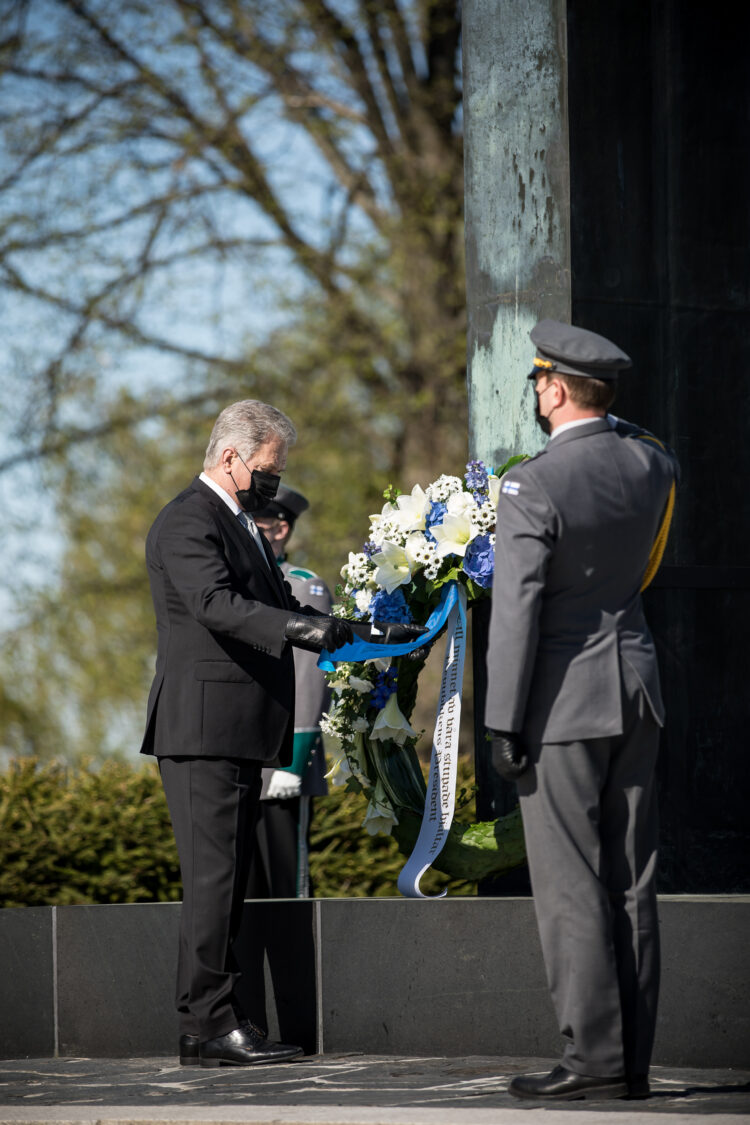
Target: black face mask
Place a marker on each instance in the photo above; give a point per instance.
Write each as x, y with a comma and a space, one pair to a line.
263, 487
543, 423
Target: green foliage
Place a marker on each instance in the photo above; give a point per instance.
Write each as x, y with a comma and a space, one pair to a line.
102, 834
78, 834
347, 863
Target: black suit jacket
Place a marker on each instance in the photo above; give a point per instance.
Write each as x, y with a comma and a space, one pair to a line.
224, 683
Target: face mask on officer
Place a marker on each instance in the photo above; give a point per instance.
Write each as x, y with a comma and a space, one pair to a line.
542, 420
263, 487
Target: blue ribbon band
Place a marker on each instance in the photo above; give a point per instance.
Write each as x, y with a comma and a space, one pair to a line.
358, 651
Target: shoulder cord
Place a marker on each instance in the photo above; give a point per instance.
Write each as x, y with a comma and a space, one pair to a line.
657, 548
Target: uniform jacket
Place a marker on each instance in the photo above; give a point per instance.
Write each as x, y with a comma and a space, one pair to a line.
313, 693
574, 529
224, 683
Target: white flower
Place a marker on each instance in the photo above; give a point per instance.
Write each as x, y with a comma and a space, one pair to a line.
461, 504
339, 773
380, 816
420, 551
442, 488
390, 724
360, 724
393, 567
363, 600
413, 510
358, 570
493, 486
484, 518
379, 663
359, 684
454, 534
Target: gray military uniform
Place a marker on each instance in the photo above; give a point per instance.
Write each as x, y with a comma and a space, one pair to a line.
280, 865
311, 690
571, 665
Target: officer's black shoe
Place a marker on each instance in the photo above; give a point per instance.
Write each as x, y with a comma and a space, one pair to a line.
189, 1052
565, 1086
244, 1047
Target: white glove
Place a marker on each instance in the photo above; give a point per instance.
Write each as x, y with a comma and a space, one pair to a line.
283, 785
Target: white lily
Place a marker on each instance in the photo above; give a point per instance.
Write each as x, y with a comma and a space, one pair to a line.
380, 815
454, 534
339, 773
393, 566
413, 509
493, 487
391, 724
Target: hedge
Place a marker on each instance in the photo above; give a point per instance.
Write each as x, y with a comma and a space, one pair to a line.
100, 833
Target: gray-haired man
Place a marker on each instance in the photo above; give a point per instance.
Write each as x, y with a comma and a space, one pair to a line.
221, 706
574, 707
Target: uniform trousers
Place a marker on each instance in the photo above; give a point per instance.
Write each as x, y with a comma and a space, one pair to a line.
279, 865
212, 803
591, 824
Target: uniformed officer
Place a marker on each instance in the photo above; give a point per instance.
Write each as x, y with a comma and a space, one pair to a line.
280, 867
574, 706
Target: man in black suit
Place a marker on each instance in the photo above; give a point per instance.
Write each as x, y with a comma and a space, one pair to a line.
221, 706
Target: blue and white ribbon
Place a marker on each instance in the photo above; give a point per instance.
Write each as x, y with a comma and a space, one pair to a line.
441, 784
357, 651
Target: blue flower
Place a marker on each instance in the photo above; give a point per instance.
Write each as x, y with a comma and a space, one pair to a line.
390, 607
370, 548
476, 477
435, 515
385, 685
479, 561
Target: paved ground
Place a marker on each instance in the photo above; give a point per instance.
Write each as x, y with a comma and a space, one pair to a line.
339, 1090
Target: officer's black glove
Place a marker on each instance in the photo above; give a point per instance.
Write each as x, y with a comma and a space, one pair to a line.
318, 632
392, 633
508, 755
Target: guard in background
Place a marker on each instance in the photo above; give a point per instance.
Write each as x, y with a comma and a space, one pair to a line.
280, 867
574, 707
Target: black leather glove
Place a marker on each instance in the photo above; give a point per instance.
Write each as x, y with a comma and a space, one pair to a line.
318, 632
393, 633
508, 755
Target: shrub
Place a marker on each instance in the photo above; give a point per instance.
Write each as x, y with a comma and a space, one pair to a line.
101, 833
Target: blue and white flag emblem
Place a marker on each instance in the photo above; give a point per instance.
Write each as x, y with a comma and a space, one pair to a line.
512, 487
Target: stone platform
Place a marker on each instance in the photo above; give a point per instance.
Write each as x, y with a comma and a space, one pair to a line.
393, 977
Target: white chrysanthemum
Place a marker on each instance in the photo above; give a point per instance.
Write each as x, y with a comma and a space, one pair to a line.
420, 551
444, 487
432, 569
484, 518
358, 570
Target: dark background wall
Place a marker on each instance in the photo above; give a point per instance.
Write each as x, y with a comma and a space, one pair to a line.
659, 107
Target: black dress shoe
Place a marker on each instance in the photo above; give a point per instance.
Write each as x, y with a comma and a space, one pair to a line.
244, 1047
189, 1052
564, 1086
638, 1086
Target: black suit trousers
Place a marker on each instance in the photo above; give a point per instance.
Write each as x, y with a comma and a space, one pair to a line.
212, 803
